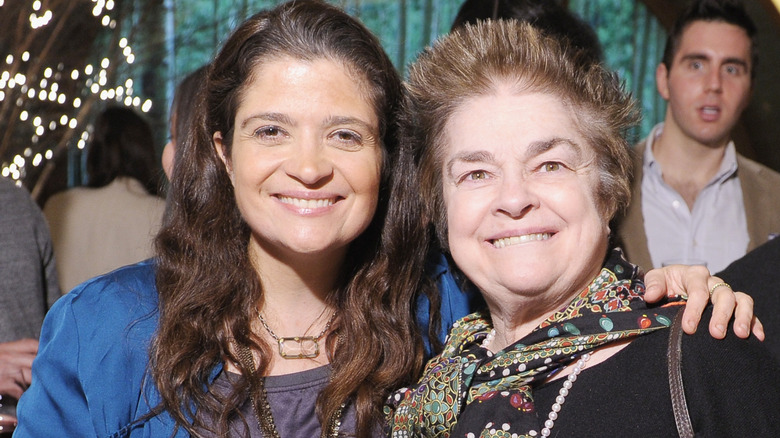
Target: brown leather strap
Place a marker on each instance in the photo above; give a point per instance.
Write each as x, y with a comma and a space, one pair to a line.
679, 405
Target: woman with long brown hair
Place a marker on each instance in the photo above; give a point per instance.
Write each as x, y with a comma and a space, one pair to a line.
267, 261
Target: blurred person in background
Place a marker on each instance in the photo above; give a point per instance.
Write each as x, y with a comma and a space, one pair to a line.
185, 103
546, 15
28, 286
695, 200
113, 220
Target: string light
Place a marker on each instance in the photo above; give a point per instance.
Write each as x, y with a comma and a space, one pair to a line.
37, 21
94, 81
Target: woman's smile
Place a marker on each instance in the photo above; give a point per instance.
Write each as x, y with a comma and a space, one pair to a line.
523, 238
308, 204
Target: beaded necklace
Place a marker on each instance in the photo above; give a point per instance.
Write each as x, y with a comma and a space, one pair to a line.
568, 382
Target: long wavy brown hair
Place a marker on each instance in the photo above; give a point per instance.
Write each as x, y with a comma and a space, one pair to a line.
208, 288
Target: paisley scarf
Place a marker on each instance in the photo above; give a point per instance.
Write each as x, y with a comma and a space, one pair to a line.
466, 390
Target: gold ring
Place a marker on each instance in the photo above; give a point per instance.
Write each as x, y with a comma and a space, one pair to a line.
717, 285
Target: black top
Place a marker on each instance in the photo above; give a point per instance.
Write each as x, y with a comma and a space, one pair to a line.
758, 275
628, 395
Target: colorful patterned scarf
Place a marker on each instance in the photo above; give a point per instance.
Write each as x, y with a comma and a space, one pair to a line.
442, 403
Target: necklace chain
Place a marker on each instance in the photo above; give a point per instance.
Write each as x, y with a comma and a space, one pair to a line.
312, 342
262, 409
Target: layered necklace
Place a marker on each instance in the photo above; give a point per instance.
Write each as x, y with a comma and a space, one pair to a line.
308, 348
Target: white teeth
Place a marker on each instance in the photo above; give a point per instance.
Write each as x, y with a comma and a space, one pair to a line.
514, 240
306, 203
710, 110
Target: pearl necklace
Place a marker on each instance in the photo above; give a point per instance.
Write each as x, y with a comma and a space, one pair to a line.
562, 394
568, 382
488, 339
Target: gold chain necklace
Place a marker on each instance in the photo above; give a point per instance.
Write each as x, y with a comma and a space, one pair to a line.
308, 346
262, 409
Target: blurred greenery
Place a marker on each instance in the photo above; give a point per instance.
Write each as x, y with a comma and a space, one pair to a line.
403, 26
631, 37
633, 42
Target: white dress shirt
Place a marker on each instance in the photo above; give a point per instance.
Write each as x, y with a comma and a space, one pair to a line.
714, 232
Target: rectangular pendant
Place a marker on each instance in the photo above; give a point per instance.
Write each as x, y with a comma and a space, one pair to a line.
299, 347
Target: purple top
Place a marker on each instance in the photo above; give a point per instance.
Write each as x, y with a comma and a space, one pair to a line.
293, 399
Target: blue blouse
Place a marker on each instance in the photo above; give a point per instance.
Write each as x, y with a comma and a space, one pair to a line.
456, 302
90, 377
